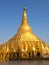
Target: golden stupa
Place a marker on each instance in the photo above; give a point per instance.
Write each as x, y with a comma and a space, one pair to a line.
24, 45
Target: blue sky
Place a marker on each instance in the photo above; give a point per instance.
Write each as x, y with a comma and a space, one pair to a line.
11, 16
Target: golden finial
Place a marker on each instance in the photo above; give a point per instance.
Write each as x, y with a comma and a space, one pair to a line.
24, 18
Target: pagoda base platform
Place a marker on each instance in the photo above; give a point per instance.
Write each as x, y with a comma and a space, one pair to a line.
29, 59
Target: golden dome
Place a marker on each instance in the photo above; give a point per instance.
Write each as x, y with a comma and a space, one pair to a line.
25, 43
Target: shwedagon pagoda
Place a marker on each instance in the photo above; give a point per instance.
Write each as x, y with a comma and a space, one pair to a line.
24, 44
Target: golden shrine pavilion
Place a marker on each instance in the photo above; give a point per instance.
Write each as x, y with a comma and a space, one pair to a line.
24, 44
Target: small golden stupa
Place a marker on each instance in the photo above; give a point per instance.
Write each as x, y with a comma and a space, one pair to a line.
24, 45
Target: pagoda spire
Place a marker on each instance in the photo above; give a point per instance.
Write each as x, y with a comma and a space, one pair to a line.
24, 27
24, 18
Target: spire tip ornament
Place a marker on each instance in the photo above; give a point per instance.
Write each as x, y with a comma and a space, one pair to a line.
24, 7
